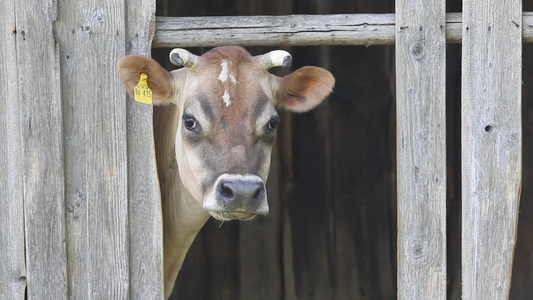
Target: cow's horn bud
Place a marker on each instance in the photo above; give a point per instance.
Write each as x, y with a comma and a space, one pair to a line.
276, 58
181, 57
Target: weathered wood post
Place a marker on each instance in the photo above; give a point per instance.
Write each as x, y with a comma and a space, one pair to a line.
146, 249
37, 64
12, 268
491, 141
80, 204
421, 148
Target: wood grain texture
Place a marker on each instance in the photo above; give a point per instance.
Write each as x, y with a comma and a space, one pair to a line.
146, 252
42, 144
94, 106
421, 149
13, 268
295, 30
362, 162
491, 144
310, 214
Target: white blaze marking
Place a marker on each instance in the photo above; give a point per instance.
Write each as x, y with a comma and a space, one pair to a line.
226, 98
225, 74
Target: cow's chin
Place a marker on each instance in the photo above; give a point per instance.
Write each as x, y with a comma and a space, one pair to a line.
232, 215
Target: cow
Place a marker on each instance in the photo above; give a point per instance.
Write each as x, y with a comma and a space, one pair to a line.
215, 136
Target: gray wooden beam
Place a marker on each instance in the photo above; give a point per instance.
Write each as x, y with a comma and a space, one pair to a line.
491, 144
94, 130
295, 30
421, 148
41, 127
146, 247
13, 266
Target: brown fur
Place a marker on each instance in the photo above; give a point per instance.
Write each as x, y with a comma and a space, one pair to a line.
240, 62
304, 89
159, 80
235, 140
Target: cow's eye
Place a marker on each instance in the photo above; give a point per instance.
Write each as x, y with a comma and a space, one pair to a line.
191, 123
272, 125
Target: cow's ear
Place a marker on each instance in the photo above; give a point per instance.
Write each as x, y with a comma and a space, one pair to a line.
159, 80
304, 89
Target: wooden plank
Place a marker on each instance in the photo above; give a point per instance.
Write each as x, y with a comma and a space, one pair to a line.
295, 30
212, 269
453, 153
491, 144
521, 287
42, 144
286, 142
363, 164
13, 268
95, 134
421, 148
146, 249
310, 226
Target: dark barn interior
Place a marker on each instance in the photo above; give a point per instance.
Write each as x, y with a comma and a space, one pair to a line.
331, 232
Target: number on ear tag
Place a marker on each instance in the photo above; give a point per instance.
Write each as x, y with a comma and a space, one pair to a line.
142, 92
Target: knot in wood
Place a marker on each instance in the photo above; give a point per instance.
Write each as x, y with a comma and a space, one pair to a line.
417, 50
418, 251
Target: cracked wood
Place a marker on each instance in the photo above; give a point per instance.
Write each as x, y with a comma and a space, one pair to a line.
296, 30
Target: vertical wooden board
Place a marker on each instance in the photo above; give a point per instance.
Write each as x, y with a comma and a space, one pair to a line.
194, 280
421, 148
94, 106
13, 268
42, 144
211, 268
285, 139
521, 287
310, 213
362, 163
223, 258
146, 254
453, 147
491, 144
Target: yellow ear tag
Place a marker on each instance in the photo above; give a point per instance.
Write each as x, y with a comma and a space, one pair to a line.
142, 92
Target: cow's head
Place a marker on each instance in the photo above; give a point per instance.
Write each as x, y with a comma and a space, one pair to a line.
226, 100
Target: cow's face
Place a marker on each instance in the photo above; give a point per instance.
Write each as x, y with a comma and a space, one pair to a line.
228, 121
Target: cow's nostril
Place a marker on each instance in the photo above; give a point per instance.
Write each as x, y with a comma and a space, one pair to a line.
225, 191
238, 194
259, 194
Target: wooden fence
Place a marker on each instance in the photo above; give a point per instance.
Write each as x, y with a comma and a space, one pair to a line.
79, 209
79, 199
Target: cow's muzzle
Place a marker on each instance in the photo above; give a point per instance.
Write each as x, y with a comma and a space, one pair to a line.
240, 197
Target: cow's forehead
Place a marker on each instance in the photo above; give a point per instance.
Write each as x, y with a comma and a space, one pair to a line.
230, 80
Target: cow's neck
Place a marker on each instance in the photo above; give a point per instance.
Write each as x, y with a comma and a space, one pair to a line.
183, 217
